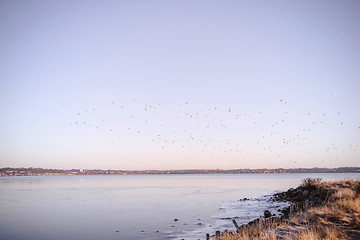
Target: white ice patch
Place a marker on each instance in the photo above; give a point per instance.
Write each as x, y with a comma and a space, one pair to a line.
243, 211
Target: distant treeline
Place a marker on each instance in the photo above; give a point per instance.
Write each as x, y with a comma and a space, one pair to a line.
43, 171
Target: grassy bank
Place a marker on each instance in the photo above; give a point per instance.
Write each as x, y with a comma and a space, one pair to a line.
319, 210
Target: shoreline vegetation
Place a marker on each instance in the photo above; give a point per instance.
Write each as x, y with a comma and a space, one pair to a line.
56, 172
318, 210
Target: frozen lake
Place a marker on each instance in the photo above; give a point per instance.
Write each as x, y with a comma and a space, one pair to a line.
136, 206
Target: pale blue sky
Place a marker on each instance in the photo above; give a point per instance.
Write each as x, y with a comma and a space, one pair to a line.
63, 63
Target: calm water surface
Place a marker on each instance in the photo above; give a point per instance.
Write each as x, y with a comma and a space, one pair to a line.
137, 206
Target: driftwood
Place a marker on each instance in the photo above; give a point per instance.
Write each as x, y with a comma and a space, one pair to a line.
236, 226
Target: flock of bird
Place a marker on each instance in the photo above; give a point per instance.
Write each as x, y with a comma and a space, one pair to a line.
218, 131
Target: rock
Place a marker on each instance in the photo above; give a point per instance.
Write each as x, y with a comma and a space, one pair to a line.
175, 220
267, 214
305, 193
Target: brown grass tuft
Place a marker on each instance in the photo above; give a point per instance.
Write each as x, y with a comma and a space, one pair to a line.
351, 205
330, 214
313, 233
311, 183
344, 193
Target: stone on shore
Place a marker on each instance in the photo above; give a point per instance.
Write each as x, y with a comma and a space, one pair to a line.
305, 193
267, 214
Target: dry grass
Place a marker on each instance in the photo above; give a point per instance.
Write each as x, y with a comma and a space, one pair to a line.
351, 183
350, 205
308, 233
313, 233
328, 213
337, 218
344, 193
267, 234
294, 220
256, 231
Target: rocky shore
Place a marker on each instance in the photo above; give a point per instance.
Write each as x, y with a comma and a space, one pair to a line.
317, 210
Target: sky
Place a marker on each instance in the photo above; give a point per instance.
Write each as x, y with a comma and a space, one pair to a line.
179, 84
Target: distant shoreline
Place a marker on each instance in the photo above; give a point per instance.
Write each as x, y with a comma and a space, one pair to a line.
58, 172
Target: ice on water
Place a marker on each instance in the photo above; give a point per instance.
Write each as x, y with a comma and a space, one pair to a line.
243, 211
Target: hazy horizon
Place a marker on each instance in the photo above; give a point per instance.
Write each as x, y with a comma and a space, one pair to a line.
163, 85
185, 169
